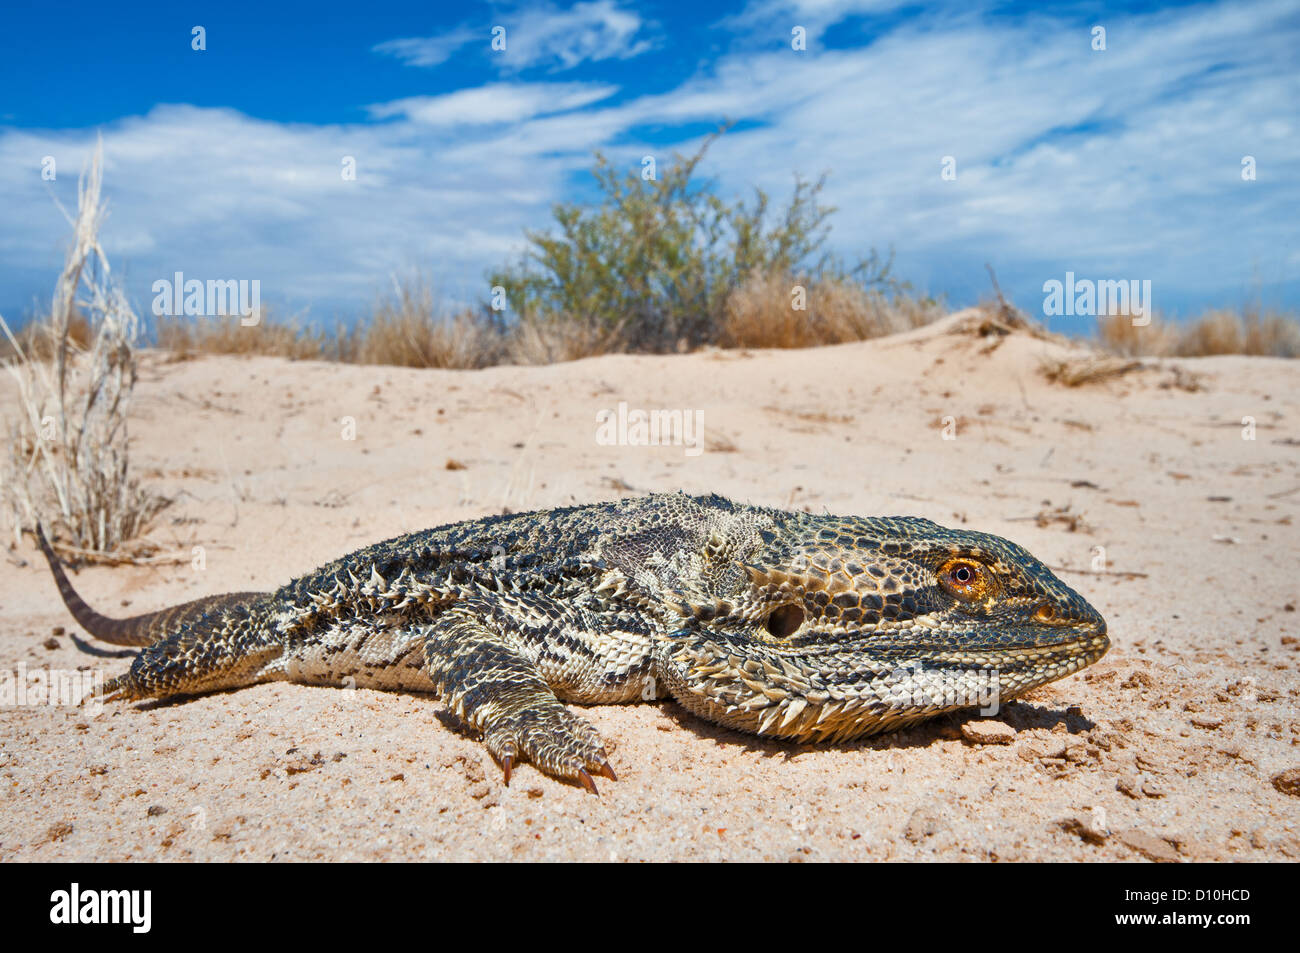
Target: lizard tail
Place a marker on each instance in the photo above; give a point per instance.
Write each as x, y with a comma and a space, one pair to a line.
137, 630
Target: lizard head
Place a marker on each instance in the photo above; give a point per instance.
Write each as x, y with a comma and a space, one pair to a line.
886, 621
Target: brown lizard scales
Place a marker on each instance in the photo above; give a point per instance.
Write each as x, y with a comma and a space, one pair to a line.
787, 625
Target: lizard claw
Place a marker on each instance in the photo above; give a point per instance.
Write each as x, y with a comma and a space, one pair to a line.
606, 771
507, 763
587, 782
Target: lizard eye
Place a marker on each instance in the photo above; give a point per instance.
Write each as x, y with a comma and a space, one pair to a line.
964, 578
784, 621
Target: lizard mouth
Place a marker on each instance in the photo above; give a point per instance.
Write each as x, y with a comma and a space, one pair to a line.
1086, 649
987, 643
1005, 649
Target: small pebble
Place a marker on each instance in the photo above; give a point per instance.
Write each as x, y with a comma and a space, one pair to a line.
981, 731
1288, 781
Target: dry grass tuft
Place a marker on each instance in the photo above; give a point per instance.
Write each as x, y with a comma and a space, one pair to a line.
33, 339
68, 462
761, 313
539, 341
996, 318
407, 330
1250, 332
186, 337
1078, 371
1117, 334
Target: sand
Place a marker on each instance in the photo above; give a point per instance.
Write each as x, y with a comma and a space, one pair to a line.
1167, 749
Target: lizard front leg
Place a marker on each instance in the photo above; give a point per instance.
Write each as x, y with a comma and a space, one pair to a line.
491, 686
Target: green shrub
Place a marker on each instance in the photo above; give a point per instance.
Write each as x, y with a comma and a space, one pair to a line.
653, 262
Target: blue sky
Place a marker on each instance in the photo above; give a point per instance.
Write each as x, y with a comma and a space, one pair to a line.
1119, 163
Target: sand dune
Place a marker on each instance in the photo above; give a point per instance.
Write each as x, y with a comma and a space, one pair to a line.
1166, 749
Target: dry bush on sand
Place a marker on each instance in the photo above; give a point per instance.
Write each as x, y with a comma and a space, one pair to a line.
68, 450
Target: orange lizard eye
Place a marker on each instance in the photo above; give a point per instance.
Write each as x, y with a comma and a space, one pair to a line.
964, 578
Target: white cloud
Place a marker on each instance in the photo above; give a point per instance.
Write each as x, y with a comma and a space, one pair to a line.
547, 35
428, 50
542, 35
771, 17
495, 103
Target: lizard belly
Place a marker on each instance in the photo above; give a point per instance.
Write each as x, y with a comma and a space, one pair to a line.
359, 655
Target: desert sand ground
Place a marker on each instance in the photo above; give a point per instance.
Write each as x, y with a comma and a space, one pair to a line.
1164, 750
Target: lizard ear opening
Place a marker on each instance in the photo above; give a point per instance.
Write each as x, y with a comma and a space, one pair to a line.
784, 621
